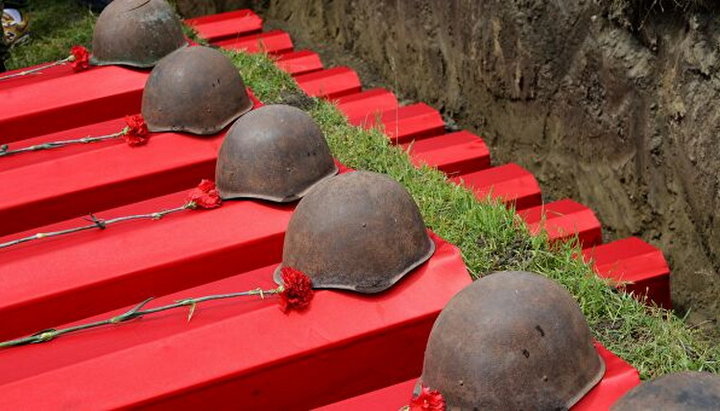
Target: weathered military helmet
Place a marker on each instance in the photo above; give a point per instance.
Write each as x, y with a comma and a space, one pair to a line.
274, 153
359, 231
511, 340
680, 391
136, 33
195, 90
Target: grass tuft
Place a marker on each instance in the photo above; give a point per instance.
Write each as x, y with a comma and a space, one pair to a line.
55, 26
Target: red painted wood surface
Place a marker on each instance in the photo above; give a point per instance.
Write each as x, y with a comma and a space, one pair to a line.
330, 83
271, 42
454, 154
106, 177
508, 183
619, 378
51, 281
636, 265
299, 62
69, 101
563, 220
103, 177
46, 74
343, 345
90, 130
368, 103
226, 25
406, 123
35, 157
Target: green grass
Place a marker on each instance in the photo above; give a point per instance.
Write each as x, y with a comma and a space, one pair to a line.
55, 26
490, 236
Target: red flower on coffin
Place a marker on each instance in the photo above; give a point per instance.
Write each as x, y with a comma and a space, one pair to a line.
79, 58
428, 400
297, 290
136, 132
205, 195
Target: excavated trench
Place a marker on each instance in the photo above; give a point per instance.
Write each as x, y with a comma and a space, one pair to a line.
611, 103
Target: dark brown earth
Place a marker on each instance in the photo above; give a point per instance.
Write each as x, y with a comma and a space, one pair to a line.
611, 103
193, 8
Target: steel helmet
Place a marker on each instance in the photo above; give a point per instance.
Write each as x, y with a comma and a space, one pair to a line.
511, 340
274, 153
682, 391
359, 231
196, 90
136, 33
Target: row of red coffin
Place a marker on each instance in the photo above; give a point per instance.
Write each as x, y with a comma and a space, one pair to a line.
56, 185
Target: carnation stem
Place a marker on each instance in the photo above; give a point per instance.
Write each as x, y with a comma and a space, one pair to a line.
135, 312
37, 69
99, 223
55, 144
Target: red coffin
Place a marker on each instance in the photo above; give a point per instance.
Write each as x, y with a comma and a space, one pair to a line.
368, 103
405, 124
508, 183
329, 83
213, 28
454, 153
70, 101
563, 220
101, 176
634, 265
242, 354
619, 378
56, 280
299, 62
271, 42
226, 25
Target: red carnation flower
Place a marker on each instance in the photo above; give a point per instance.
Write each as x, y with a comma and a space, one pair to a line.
79, 58
206, 185
205, 195
136, 132
342, 168
297, 291
428, 400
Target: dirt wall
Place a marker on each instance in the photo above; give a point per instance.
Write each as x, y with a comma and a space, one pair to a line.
610, 103
194, 8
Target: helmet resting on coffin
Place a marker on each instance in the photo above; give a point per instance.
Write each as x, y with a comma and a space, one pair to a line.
195, 90
136, 33
275, 153
511, 340
358, 231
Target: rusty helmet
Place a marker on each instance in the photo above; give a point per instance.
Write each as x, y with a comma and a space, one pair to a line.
679, 391
196, 90
136, 33
274, 153
358, 231
511, 340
